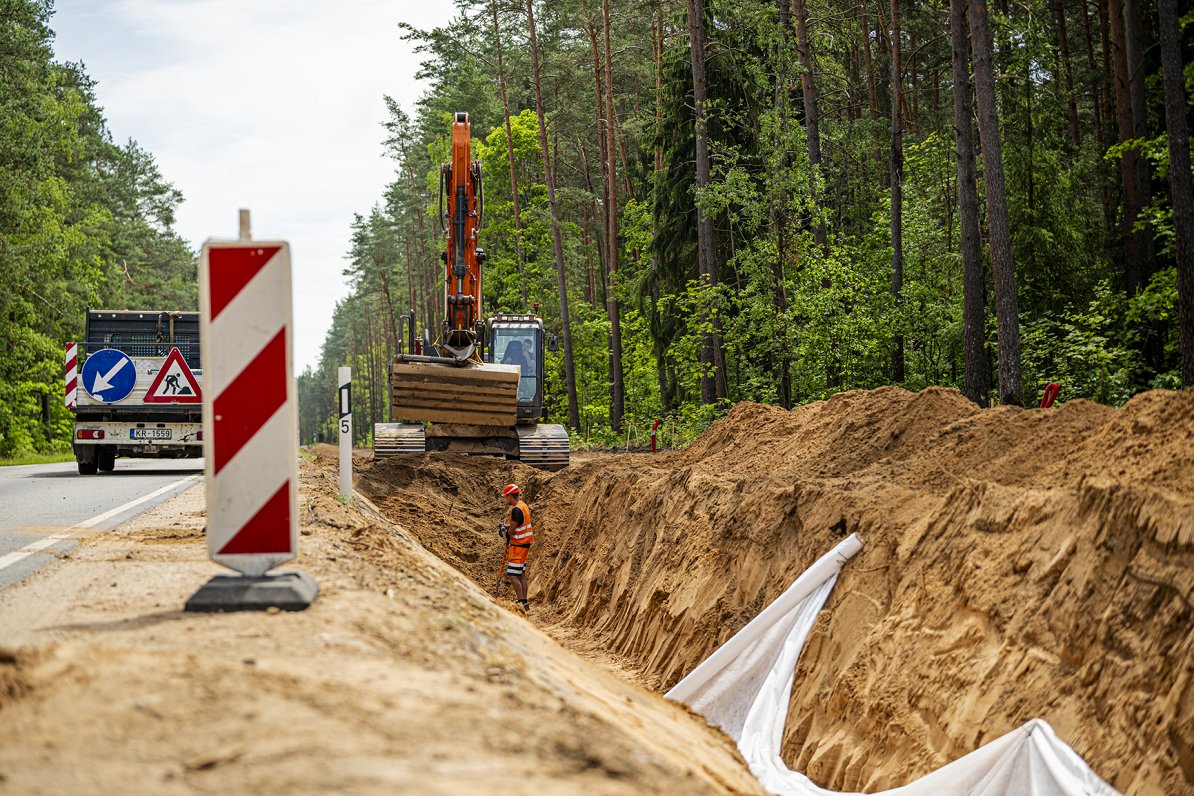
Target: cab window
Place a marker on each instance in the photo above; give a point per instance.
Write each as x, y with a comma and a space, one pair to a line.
517, 347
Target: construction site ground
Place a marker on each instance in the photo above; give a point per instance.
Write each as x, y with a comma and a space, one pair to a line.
1018, 564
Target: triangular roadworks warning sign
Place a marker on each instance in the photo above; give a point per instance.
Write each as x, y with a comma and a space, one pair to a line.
174, 384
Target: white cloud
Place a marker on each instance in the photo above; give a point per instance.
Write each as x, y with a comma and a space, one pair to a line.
274, 105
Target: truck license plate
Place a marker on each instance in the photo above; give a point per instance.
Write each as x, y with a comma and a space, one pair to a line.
151, 433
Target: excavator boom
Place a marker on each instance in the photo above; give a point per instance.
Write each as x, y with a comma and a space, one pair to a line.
460, 180
449, 384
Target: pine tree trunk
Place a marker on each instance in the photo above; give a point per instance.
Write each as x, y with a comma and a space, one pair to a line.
913, 80
1176, 108
428, 278
781, 362
1136, 72
617, 387
1107, 76
872, 91
557, 236
392, 324
501, 80
812, 124
1124, 30
713, 379
1098, 91
665, 395
1063, 41
368, 374
603, 163
812, 132
1006, 308
431, 300
657, 47
897, 195
855, 89
1096, 77
411, 301
977, 366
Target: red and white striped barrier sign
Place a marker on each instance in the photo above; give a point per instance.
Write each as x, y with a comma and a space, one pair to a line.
250, 409
72, 375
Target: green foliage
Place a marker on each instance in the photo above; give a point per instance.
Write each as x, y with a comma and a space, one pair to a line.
37, 458
795, 315
84, 222
1096, 351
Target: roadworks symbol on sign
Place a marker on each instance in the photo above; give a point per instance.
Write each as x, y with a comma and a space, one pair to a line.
174, 384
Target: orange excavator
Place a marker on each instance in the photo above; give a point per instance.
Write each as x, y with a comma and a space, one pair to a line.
478, 388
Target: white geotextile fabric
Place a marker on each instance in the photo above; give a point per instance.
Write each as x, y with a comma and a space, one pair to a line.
745, 688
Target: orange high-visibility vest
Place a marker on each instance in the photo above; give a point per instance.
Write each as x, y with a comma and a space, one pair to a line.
523, 534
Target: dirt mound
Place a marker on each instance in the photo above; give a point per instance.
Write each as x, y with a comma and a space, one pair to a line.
849, 431
401, 678
1018, 563
323, 452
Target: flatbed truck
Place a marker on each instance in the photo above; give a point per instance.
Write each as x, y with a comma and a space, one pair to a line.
138, 388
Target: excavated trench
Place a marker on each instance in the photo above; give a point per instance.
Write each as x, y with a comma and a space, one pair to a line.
1018, 564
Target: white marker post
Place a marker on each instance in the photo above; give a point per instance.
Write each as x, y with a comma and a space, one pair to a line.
345, 433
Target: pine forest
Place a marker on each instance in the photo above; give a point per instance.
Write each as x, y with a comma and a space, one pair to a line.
708, 202
85, 221
738, 200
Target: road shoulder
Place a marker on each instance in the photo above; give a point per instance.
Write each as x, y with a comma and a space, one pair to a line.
403, 677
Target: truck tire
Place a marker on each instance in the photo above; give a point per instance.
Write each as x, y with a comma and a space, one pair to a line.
86, 456
105, 459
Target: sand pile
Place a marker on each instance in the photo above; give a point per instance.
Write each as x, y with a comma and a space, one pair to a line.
323, 452
1019, 563
401, 678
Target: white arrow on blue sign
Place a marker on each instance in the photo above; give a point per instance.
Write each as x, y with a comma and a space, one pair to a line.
109, 375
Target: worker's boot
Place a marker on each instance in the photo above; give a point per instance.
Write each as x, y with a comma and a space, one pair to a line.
526, 604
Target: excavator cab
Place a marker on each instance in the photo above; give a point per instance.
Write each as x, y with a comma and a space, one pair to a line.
519, 340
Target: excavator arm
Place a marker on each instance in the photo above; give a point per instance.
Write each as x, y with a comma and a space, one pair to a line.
460, 184
448, 383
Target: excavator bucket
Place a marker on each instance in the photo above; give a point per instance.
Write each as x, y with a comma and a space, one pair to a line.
472, 394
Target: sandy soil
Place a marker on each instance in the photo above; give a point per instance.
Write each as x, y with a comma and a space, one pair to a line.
404, 677
1019, 563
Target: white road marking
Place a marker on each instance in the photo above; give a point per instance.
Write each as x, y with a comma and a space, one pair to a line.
32, 548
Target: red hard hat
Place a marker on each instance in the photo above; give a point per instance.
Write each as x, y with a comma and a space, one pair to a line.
511, 489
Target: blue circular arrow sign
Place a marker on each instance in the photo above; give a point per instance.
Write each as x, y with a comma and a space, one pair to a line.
109, 375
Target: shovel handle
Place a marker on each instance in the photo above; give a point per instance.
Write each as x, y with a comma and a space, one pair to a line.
497, 587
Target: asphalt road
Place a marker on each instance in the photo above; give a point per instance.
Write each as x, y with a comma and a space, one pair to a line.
45, 507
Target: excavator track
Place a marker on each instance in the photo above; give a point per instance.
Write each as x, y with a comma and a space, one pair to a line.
544, 445
391, 439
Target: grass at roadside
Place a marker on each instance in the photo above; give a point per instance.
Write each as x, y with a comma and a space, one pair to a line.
37, 458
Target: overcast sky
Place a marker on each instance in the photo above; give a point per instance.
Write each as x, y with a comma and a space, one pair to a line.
273, 105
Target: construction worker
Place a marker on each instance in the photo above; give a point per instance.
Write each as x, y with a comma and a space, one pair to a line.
519, 536
515, 354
